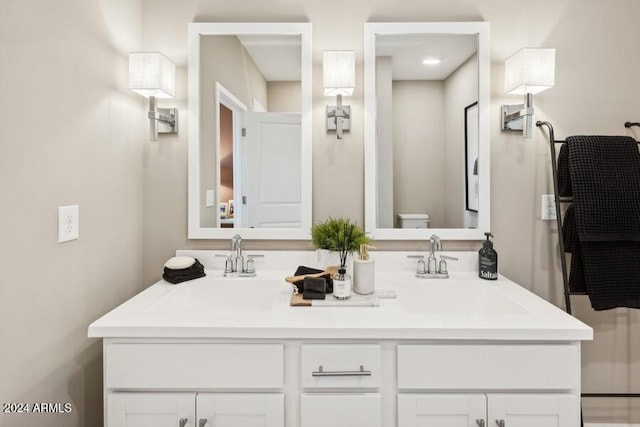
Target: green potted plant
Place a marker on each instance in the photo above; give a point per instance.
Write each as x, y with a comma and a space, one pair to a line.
338, 235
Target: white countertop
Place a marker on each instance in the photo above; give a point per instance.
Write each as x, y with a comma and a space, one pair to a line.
462, 307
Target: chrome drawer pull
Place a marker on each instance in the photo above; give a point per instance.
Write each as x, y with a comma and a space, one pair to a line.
480, 422
500, 423
322, 373
183, 422
202, 422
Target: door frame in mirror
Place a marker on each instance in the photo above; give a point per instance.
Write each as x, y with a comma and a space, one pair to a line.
196, 30
371, 29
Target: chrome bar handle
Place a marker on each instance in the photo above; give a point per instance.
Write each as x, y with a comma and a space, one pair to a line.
500, 423
183, 422
480, 422
322, 373
202, 422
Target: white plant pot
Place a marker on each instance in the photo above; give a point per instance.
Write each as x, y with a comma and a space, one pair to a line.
326, 258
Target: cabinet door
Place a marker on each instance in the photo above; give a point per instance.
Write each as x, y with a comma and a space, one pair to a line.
341, 410
533, 410
240, 410
442, 410
151, 409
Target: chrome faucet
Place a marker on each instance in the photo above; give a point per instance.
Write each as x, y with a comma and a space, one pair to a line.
432, 269
237, 259
434, 245
235, 265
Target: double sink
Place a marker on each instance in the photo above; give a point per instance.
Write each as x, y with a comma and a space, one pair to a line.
457, 296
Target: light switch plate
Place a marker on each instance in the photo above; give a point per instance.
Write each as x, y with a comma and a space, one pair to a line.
209, 195
68, 223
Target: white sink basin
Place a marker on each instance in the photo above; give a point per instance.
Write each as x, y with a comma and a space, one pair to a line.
457, 297
220, 295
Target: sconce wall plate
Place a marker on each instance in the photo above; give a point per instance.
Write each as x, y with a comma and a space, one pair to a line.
332, 117
164, 118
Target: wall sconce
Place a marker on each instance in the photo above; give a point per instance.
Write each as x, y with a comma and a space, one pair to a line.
526, 72
153, 75
339, 75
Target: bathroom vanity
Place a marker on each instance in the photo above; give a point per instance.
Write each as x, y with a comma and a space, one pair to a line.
232, 352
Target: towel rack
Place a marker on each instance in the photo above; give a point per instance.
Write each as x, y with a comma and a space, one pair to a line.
561, 243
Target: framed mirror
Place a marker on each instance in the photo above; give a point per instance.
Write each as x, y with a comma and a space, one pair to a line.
426, 142
249, 130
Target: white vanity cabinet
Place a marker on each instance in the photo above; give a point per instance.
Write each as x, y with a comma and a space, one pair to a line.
173, 383
534, 384
240, 409
138, 409
491, 410
233, 352
144, 409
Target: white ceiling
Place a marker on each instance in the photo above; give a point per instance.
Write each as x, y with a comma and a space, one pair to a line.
409, 50
277, 56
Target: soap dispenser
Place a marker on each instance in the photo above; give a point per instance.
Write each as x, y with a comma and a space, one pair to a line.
488, 260
364, 270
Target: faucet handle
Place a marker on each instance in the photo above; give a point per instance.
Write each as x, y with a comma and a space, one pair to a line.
422, 266
442, 266
228, 263
251, 266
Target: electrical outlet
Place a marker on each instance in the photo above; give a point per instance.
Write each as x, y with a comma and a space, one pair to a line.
68, 223
548, 207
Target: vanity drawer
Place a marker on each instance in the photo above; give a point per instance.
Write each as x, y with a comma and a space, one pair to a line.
340, 366
194, 366
488, 366
348, 409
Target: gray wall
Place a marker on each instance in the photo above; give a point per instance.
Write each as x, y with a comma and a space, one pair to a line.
461, 90
419, 150
73, 133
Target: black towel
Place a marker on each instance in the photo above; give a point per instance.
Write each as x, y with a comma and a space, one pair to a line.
569, 232
605, 178
308, 270
176, 276
564, 178
572, 244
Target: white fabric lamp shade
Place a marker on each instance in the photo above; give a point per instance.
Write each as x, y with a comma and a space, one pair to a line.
152, 74
339, 72
529, 70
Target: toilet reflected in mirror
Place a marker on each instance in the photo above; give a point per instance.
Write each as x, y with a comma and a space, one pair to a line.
407, 220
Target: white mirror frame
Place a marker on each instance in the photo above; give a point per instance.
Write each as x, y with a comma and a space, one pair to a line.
196, 30
484, 83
